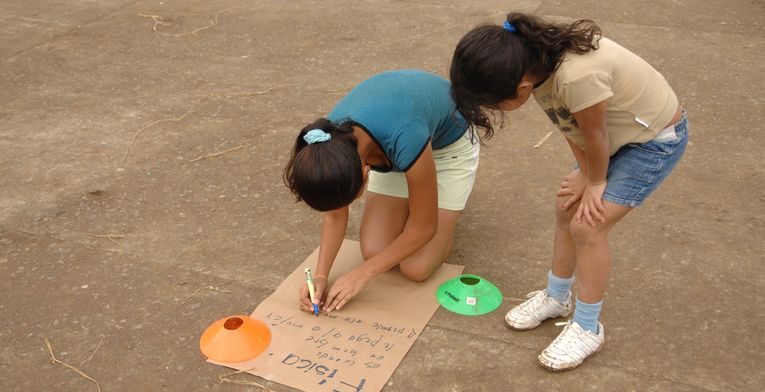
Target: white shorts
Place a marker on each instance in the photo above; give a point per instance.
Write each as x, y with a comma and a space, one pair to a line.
456, 166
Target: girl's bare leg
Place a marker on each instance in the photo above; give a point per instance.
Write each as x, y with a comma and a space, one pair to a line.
593, 265
385, 217
564, 250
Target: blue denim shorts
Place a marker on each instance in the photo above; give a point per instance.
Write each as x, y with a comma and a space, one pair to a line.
637, 169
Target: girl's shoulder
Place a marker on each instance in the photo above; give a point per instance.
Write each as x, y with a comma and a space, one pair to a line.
610, 59
603, 60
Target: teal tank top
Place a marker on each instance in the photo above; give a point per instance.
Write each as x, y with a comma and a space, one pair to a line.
403, 111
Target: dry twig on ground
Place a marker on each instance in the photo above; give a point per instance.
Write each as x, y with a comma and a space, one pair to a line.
213, 155
107, 235
207, 288
160, 21
140, 131
53, 359
93, 353
246, 96
110, 237
226, 378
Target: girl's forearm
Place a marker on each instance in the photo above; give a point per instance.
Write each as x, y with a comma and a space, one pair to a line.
593, 125
579, 155
597, 158
334, 224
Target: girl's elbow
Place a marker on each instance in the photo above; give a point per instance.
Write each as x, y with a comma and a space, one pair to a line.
421, 233
428, 234
420, 236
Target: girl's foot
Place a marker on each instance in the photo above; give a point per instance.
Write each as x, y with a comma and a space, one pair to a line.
538, 307
571, 347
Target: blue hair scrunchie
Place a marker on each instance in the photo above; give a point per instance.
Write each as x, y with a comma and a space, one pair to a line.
509, 27
316, 136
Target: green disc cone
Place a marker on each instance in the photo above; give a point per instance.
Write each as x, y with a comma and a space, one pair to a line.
469, 295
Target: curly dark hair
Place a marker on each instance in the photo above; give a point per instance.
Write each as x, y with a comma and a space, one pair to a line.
489, 61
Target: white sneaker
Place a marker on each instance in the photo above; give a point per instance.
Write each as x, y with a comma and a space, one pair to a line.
537, 308
571, 347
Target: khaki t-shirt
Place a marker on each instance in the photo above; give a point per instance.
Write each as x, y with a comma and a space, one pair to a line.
640, 101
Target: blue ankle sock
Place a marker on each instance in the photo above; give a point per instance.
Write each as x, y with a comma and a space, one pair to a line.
586, 315
558, 288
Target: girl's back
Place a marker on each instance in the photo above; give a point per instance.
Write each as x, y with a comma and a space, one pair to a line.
403, 110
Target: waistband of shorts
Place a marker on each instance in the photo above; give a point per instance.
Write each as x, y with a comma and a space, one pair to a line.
683, 118
673, 129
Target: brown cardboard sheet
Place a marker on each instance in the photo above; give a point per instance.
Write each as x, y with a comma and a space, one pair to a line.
354, 349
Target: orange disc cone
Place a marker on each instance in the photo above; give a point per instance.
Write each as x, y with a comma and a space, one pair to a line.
235, 339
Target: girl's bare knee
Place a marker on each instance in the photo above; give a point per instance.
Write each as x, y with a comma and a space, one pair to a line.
583, 234
417, 273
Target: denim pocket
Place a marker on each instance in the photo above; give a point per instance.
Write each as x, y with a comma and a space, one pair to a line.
661, 149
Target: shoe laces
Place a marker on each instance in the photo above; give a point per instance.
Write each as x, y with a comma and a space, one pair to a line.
533, 293
529, 306
573, 341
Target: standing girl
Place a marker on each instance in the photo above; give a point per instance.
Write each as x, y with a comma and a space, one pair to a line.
624, 126
401, 125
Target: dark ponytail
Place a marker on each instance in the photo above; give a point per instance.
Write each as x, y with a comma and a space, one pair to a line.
490, 61
326, 175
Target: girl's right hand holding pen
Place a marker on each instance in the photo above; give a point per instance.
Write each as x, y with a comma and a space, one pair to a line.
320, 285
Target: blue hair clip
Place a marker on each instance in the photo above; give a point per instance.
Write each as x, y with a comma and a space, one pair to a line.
509, 27
316, 136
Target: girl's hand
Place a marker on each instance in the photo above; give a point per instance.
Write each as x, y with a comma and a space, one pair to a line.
573, 186
345, 288
320, 286
591, 208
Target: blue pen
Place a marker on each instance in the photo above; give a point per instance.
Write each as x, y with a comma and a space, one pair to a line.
311, 290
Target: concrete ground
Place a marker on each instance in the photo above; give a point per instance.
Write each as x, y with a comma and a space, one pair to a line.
112, 229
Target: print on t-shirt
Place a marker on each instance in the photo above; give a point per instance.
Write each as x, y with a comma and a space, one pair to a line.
558, 114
